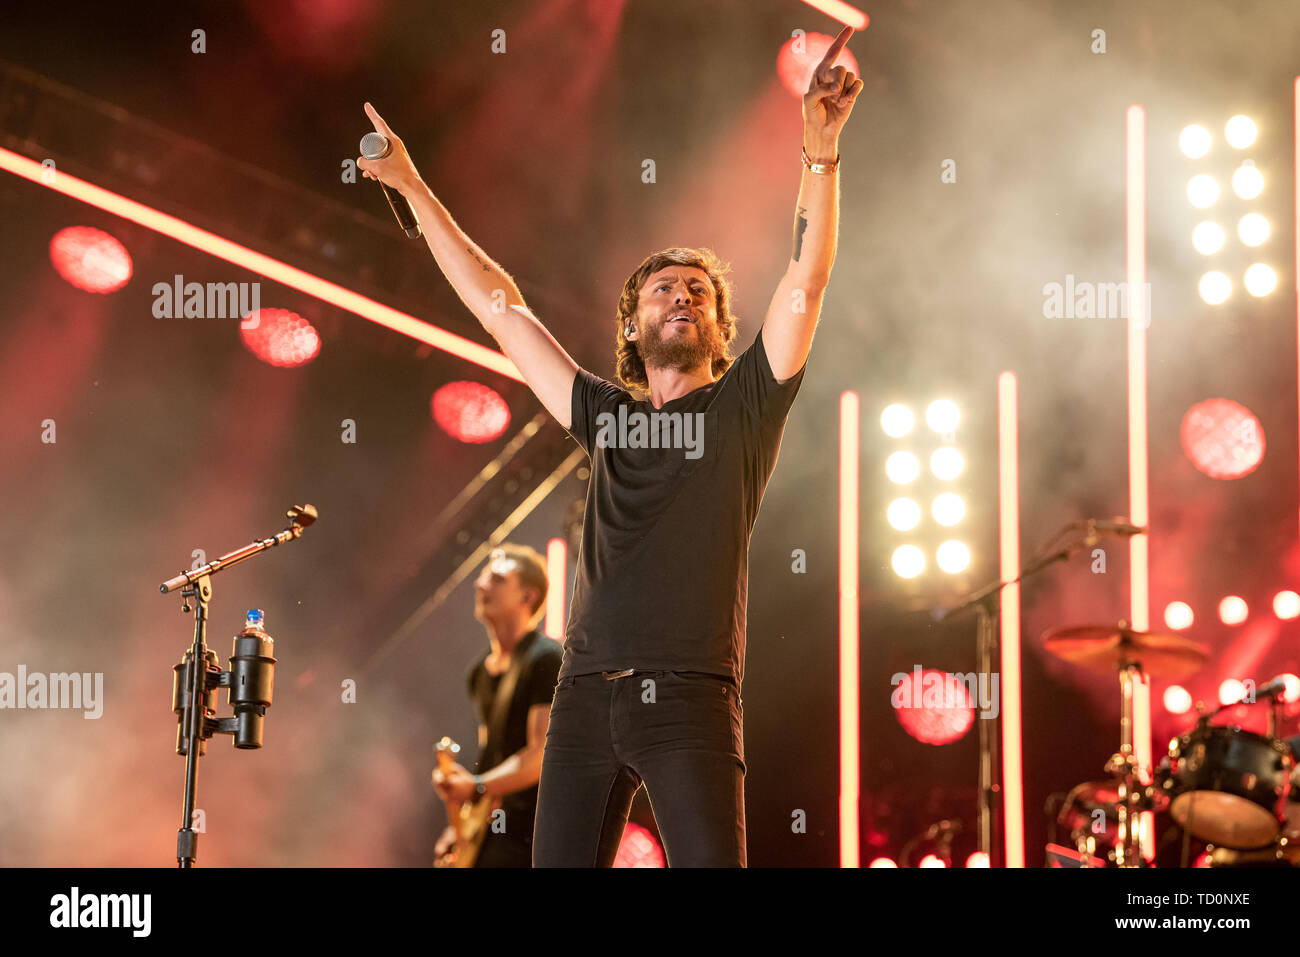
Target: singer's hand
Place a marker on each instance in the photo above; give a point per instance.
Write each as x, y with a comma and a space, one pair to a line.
395, 169
832, 91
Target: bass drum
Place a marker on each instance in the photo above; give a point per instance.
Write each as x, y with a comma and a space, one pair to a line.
1229, 787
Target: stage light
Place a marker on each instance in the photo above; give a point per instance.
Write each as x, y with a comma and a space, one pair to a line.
1292, 692
1202, 190
1240, 132
904, 514
942, 416
946, 463
1194, 141
953, 556
128, 209
796, 68
1178, 615
638, 848
1260, 280
1177, 700
470, 411
908, 561
1231, 691
948, 508
1253, 229
279, 337
883, 862
934, 707
931, 861
1247, 182
90, 259
1215, 287
557, 566
1286, 605
1222, 438
977, 859
902, 467
1233, 610
1207, 237
897, 420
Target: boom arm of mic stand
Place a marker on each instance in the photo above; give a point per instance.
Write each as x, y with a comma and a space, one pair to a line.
1034, 566
231, 558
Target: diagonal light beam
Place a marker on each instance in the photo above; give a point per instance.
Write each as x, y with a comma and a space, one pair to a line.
846, 13
259, 263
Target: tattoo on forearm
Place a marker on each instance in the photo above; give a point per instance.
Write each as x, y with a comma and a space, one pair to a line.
470, 250
800, 224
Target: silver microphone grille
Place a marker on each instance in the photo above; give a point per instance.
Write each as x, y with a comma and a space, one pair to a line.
374, 146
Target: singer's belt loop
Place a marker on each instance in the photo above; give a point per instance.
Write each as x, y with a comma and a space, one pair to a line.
611, 675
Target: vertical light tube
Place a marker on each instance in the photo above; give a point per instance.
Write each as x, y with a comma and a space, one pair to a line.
1013, 792
1296, 237
850, 782
1139, 511
557, 566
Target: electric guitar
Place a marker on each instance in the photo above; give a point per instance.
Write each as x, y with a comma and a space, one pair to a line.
469, 819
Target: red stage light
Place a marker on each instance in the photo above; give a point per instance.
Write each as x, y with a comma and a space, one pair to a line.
470, 411
639, 849
931, 860
90, 259
796, 68
935, 710
977, 859
1223, 438
883, 862
280, 337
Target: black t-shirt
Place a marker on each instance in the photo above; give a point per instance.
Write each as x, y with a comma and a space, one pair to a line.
536, 685
663, 569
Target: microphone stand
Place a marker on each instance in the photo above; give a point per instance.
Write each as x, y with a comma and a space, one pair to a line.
987, 602
197, 584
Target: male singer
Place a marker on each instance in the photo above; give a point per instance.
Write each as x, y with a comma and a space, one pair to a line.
649, 691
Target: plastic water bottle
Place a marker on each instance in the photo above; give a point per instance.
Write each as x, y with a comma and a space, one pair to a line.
252, 679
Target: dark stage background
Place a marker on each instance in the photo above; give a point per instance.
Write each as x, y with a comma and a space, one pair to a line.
173, 437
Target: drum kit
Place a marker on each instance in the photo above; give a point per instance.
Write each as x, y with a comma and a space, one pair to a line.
1223, 786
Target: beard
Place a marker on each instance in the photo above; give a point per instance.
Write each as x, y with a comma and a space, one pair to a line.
683, 352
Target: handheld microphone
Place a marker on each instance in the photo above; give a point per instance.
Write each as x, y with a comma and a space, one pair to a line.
375, 146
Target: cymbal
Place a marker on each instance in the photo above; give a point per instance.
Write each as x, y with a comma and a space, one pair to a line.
1107, 648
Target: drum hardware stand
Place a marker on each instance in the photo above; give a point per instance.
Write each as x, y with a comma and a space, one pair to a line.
1133, 794
987, 603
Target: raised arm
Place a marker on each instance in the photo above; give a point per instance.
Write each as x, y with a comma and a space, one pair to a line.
796, 305
485, 288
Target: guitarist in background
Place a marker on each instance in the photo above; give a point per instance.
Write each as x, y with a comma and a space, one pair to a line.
511, 686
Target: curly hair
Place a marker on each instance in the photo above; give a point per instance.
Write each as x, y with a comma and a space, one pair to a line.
629, 366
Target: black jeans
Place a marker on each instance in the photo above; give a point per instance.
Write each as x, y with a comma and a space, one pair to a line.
677, 732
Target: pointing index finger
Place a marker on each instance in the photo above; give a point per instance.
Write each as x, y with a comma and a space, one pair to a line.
380, 125
835, 48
